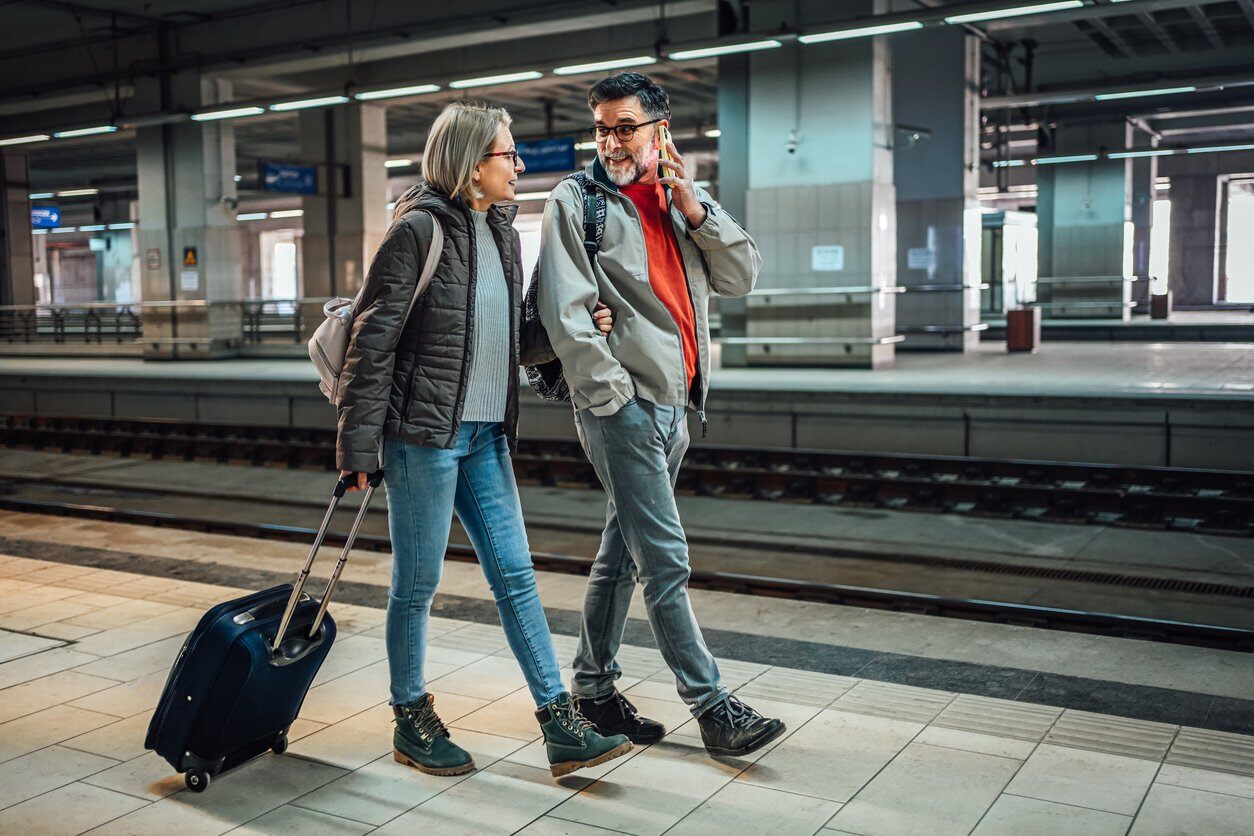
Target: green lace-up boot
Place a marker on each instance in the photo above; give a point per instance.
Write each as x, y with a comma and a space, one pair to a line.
422, 741
571, 739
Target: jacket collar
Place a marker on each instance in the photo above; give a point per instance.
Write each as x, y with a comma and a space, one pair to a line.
457, 209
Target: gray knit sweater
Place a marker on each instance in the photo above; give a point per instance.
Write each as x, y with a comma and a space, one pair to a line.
487, 383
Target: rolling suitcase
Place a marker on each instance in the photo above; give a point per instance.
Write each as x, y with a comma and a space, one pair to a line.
242, 674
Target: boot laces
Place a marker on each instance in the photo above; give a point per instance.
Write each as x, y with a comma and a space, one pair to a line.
739, 715
625, 709
426, 722
571, 718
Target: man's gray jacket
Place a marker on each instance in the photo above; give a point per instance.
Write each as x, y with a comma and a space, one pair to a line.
643, 355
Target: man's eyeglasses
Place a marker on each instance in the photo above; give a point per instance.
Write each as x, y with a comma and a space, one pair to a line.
511, 153
623, 132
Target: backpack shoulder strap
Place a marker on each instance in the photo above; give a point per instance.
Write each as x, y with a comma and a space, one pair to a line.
435, 245
593, 214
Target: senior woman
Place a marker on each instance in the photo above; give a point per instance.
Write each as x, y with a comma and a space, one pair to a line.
438, 396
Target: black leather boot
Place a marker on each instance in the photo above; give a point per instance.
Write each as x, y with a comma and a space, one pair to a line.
730, 728
614, 714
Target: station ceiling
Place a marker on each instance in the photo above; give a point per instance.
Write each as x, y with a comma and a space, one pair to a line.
65, 63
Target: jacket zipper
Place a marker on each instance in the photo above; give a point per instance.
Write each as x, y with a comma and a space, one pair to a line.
467, 345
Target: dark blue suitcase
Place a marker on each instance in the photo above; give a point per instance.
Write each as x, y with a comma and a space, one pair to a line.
234, 688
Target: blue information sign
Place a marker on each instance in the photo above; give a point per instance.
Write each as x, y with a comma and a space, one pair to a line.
292, 179
547, 155
45, 217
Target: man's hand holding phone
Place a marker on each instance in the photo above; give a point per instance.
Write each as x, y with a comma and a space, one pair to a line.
677, 179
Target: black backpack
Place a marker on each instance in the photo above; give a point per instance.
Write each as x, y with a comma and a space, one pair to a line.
547, 378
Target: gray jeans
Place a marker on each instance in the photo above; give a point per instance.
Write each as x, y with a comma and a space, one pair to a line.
636, 453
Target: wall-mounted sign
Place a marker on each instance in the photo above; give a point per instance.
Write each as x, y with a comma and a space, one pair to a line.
189, 257
189, 280
827, 258
45, 217
290, 179
547, 155
152, 259
920, 258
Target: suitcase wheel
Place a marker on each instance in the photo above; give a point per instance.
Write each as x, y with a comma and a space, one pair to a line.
197, 780
280, 744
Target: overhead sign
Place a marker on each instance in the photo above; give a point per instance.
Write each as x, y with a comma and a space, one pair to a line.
827, 258
547, 155
920, 258
290, 179
45, 217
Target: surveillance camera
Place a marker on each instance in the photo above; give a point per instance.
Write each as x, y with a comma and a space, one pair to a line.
231, 203
791, 145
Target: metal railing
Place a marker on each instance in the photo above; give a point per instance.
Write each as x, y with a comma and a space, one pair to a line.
261, 321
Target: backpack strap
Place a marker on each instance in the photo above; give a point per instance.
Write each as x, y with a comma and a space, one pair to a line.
435, 246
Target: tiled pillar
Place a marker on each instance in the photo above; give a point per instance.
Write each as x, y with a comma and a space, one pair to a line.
17, 264
1082, 210
820, 200
936, 74
1194, 238
346, 221
1142, 175
187, 237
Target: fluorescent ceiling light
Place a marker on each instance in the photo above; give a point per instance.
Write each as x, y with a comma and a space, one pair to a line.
1215, 148
714, 133
40, 195
39, 232
727, 49
232, 113
287, 213
63, 229
860, 32
78, 192
1127, 155
127, 225
301, 104
589, 145
22, 140
91, 228
596, 66
484, 81
99, 129
412, 90
238, 178
1162, 187
1136, 94
1014, 11
1071, 158
521, 197
252, 216
397, 163
1006, 163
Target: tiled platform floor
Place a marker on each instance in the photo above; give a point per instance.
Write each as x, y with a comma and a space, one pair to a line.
84, 654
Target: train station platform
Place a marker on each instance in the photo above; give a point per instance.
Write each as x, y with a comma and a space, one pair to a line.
1217, 326
897, 723
1156, 404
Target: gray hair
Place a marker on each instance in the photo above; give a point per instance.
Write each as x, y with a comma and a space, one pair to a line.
459, 138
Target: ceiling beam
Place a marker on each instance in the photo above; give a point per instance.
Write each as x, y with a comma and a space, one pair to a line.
1207, 29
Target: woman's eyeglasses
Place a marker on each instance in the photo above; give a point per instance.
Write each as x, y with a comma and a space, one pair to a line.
511, 153
623, 132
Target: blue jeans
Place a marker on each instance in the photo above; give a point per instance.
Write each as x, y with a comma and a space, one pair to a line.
636, 453
425, 485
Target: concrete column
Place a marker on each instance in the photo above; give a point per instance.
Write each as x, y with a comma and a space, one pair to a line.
820, 202
1142, 175
17, 265
733, 183
1194, 238
346, 221
936, 76
1082, 209
187, 228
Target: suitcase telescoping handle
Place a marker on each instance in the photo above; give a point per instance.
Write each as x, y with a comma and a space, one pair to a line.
341, 487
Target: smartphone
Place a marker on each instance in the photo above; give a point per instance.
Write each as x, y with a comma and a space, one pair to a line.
664, 153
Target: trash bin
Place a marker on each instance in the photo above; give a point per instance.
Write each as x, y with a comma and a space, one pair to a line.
1023, 329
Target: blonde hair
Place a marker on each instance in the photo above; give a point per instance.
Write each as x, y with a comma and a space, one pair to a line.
460, 136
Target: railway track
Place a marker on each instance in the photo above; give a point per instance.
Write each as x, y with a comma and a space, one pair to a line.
1204, 501
1051, 618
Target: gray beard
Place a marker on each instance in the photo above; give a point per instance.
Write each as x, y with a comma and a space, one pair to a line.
625, 176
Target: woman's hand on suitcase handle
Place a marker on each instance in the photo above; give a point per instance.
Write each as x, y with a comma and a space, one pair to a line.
603, 317
354, 480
